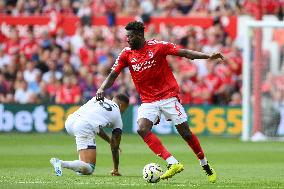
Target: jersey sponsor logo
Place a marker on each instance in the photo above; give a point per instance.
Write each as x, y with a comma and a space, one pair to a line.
144, 65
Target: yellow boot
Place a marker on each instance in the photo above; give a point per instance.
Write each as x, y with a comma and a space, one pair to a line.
210, 172
172, 170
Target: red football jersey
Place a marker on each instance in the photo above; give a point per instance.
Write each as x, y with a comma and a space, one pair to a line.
150, 70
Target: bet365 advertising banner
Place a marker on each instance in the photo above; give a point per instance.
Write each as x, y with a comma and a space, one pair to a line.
206, 120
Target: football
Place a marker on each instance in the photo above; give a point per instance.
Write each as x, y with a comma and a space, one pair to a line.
152, 172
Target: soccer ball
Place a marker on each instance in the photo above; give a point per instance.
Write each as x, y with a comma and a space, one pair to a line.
152, 172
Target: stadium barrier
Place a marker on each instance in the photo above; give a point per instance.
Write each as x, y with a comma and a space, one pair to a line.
204, 120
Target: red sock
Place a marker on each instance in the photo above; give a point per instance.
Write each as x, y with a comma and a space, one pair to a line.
156, 146
194, 144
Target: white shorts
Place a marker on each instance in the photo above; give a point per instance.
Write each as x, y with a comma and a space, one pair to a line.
82, 130
171, 108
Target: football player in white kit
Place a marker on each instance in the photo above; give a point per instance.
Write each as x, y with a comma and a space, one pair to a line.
87, 121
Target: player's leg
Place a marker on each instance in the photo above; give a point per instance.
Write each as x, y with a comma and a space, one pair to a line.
84, 166
193, 142
85, 147
147, 115
174, 111
86, 163
151, 139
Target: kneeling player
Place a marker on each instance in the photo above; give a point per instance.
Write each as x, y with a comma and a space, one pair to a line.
84, 123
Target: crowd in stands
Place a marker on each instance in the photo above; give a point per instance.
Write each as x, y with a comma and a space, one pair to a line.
138, 7
57, 68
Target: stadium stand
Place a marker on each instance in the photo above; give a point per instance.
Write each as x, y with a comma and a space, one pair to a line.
53, 67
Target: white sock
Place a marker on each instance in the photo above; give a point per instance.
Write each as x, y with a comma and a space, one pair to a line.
78, 166
171, 160
203, 162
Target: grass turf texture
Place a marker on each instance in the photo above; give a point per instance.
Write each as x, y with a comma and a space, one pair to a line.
24, 163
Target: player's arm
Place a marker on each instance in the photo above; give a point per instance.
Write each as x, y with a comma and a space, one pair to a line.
114, 144
103, 135
198, 55
108, 82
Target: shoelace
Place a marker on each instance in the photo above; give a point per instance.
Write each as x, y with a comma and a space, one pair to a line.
207, 169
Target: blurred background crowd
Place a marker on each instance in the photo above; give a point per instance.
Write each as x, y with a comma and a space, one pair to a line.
53, 67
138, 7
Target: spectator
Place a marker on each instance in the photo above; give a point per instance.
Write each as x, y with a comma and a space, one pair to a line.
184, 6
65, 7
4, 88
4, 58
52, 72
50, 88
85, 13
62, 40
132, 8
92, 50
29, 45
200, 8
147, 9
201, 92
224, 8
88, 87
51, 7
22, 94
31, 73
236, 99
213, 82
69, 92
12, 46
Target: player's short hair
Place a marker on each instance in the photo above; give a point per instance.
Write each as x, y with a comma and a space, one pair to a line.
122, 97
135, 26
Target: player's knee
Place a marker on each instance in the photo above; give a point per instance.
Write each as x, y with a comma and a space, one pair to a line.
145, 127
142, 131
184, 131
88, 170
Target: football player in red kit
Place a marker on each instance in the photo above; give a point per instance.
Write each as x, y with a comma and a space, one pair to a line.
159, 92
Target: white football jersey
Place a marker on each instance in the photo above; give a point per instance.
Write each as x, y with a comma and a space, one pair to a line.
100, 114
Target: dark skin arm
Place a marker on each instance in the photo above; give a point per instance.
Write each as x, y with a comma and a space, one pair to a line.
114, 144
108, 82
103, 135
198, 55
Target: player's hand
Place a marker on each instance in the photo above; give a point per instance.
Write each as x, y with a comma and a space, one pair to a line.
100, 95
216, 56
115, 172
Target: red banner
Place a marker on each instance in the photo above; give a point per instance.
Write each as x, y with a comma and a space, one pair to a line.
68, 23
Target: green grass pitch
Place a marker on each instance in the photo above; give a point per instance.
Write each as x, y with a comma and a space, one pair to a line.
24, 163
